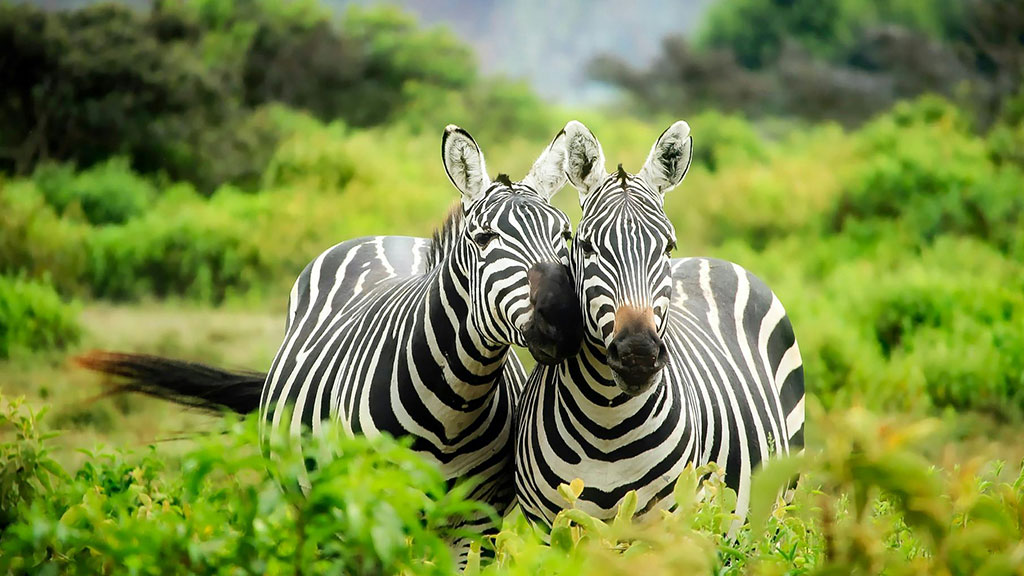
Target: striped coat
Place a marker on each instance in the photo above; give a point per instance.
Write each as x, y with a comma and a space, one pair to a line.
684, 361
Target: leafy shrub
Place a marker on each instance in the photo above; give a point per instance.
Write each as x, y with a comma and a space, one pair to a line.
33, 317
724, 139
27, 470
953, 320
760, 190
316, 159
1006, 143
870, 500
37, 243
926, 171
375, 507
493, 110
107, 193
242, 147
204, 252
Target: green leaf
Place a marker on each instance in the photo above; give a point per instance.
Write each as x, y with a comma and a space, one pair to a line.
586, 521
685, 491
627, 508
767, 484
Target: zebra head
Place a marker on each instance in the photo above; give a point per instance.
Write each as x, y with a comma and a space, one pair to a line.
620, 257
512, 248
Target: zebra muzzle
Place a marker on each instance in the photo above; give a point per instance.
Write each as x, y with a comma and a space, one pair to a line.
555, 329
636, 354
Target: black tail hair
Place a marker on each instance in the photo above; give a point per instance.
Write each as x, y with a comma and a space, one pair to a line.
187, 383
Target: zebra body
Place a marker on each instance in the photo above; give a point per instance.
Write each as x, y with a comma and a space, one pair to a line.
376, 342
684, 361
411, 336
724, 398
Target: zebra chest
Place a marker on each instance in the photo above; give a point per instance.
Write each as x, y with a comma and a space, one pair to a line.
641, 444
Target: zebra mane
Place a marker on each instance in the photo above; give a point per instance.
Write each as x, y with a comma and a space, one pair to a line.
444, 235
622, 175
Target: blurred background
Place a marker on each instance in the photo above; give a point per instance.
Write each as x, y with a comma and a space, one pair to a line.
167, 169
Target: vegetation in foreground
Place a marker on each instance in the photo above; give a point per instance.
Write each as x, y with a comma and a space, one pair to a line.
870, 501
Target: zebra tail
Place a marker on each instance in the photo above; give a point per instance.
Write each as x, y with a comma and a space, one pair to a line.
186, 383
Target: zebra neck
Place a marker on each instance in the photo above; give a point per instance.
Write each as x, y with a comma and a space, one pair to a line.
586, 386
463, 362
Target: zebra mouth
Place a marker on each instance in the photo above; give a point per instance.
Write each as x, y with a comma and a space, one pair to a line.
637, 361
633, 382
544, 353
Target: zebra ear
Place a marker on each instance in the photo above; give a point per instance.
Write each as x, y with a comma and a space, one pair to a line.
547, 176
464, 163
669, 158
584, 161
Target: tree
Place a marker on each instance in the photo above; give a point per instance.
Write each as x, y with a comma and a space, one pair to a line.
86, 85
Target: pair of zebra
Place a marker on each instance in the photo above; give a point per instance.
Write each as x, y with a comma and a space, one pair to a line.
647, 362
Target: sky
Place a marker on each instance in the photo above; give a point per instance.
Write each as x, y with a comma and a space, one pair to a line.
549, 42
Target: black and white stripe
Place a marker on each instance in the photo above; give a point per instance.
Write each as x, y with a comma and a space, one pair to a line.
732, 390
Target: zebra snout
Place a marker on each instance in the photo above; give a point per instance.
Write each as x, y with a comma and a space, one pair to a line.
636, 354
554, 331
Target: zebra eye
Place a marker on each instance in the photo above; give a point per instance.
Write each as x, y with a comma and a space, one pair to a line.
484, 238
670, 248
587, 247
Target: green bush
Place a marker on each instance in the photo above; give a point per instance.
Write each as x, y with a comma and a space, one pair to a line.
823, 27
375, 508
203, 251
925, 170
953, 320
871, 499
493, 110
314, 158
37, 243
724, 140
107, 193
33, 317
883, 326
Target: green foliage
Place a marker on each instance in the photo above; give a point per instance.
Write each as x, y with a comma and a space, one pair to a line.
814, 23
870, 499
33, 317
179, 90
315, 158
27, 468
374, 507
107, 193
494, 110
203, 253
95, 83
824, 28
37, 243
724, 140
396, 55
833, 60
927, 172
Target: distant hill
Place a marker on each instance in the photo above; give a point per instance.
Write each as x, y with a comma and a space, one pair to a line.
544, 41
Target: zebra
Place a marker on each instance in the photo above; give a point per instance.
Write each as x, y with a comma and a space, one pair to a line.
412, 336
684, 360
